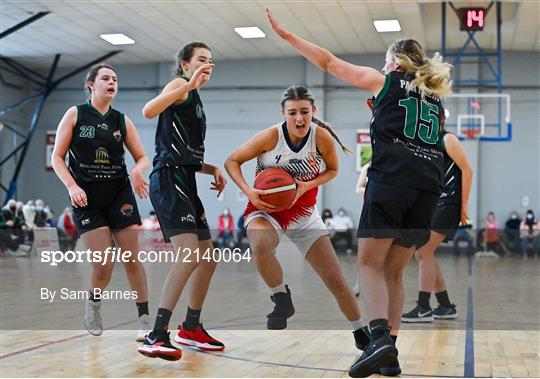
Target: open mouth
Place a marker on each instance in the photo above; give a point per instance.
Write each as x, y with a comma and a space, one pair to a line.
111, 90
300, 128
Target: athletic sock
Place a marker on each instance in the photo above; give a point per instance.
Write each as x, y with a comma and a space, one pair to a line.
357, 324
423, 299
162, 320
92, 298
192, 319
279, 288
442, 298
142, 308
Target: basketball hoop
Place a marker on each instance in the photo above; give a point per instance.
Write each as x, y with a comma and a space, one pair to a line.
471, 134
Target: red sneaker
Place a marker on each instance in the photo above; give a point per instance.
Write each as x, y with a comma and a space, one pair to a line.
199, 338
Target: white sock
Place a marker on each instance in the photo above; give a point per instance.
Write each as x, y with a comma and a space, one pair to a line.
280, 288
357, 324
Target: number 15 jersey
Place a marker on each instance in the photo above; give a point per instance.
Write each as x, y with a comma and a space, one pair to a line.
404, 136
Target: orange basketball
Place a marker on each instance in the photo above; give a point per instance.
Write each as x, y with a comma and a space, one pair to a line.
281, 186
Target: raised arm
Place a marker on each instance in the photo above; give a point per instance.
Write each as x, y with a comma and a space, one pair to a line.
359, 76
176, 92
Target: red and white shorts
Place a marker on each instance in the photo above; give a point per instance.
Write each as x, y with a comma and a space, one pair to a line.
303, 232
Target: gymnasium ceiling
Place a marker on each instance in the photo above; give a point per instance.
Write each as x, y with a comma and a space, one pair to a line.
159, 27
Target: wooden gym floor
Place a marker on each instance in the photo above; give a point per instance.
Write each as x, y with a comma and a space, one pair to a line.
497, 334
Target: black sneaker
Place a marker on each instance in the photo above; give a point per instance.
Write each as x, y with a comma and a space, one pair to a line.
158, 345
445, 313
378, 354
362, 337
418, 314
391, 369
283, 309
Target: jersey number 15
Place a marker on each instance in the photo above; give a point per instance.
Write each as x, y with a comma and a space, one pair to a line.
427, 122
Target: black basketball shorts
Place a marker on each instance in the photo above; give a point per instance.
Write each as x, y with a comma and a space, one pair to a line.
173, 192
399, 212
111, 203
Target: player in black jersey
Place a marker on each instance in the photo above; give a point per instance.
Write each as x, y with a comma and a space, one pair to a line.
404, 178
451, 210
100, 190
179, 155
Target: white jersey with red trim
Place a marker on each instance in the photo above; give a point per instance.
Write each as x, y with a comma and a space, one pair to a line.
303, 162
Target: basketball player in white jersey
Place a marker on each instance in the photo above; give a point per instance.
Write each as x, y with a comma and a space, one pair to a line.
304, 147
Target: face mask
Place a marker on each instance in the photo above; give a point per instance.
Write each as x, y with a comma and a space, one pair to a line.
341, 213
513, 217
529, 216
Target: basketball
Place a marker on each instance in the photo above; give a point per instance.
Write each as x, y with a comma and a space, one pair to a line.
281, 186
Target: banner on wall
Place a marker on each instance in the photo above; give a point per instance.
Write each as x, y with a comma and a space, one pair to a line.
363, 148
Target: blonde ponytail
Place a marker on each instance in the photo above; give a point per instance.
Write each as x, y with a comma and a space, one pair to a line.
431, 75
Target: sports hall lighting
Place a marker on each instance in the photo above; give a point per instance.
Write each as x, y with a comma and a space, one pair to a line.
387, 26
250, 32
117, 39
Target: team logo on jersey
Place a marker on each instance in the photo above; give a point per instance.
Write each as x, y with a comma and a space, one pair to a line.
199, 111
103, 126
117, 135
126, 210
86, 221
102, 156
188, 218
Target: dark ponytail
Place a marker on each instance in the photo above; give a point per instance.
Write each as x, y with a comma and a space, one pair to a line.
302, 93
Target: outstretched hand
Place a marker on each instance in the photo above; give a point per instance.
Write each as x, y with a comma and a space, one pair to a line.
278, 28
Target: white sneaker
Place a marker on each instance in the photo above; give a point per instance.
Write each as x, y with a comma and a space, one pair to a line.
92, 318
144, 328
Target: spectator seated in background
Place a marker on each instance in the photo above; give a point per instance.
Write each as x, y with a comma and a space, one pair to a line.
50, 221
529, 232
491, 234
463, 234
11, 233
225, 229
29, 212
67, 230
328, 219
241, 233
40, 218
343, 226
511, 232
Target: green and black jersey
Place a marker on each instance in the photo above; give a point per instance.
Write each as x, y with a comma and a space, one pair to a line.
180, 134
96, 152
405, 136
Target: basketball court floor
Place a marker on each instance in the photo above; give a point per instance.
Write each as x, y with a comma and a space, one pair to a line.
496, 335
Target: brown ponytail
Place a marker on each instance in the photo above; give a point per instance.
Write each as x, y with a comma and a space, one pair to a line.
326, 126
